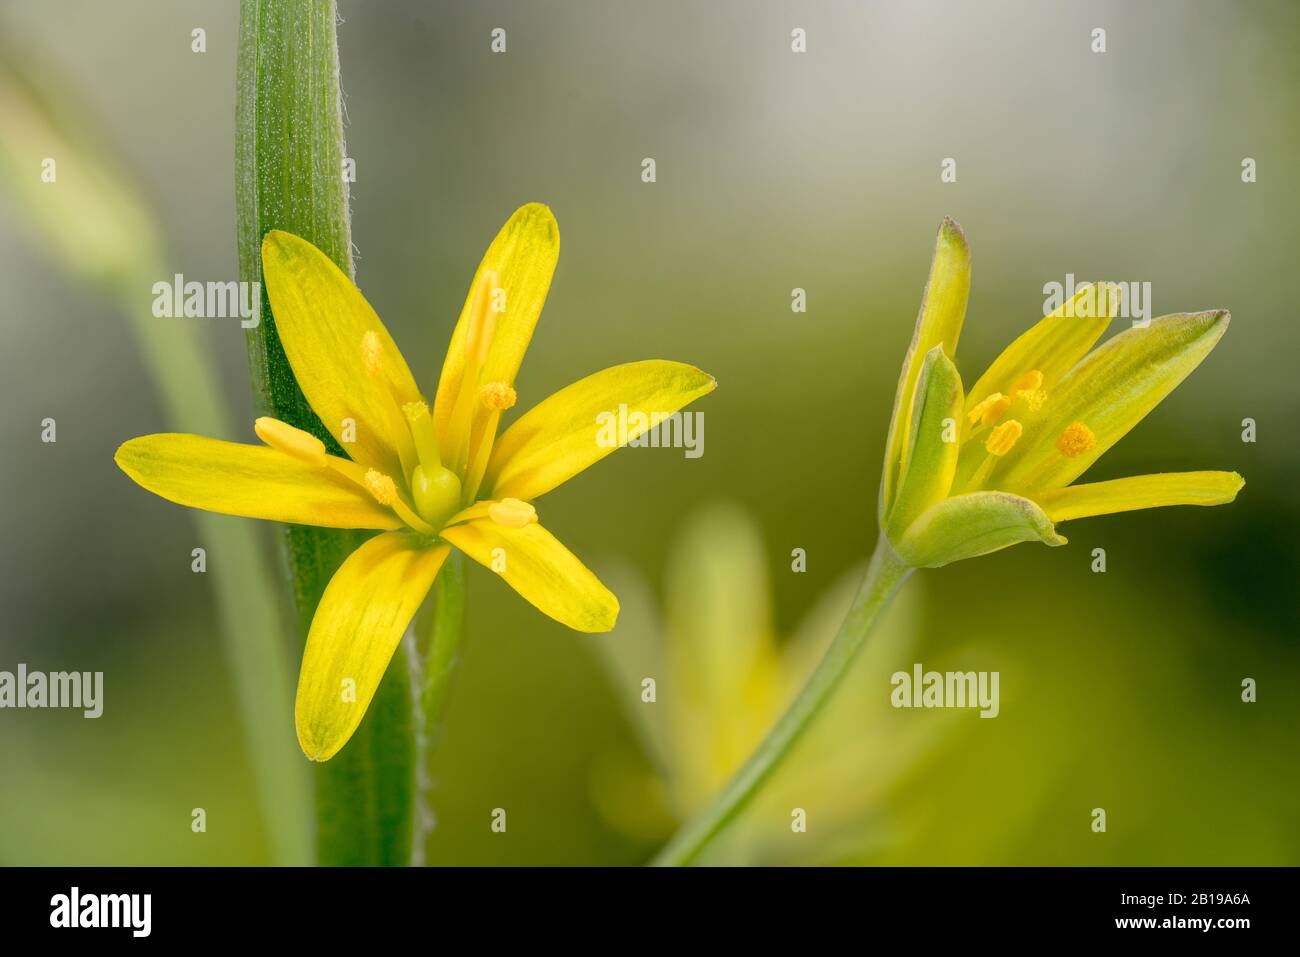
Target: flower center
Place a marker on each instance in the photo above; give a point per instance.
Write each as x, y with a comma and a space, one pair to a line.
435, 488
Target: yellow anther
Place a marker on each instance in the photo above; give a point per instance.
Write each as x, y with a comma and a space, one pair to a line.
496, 395
283, 437
1031, 380
381, 487
371, 353
1002, 438
1075, 440
512, 513
989, 410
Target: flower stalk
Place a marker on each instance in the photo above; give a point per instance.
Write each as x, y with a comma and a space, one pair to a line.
885, 575
289, 161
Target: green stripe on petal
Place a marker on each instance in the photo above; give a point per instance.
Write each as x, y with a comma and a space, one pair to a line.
943, 308
358, 624
933, 444
1109, 392
966, 526
1141, 491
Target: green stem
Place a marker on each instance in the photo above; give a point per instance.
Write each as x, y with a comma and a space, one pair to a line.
884, 576
289, 175
433, 660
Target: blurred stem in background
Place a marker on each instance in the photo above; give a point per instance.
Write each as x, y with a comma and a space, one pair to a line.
289, 176
97, 226
885, 575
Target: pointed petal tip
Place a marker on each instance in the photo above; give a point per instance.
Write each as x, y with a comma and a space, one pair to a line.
950, 231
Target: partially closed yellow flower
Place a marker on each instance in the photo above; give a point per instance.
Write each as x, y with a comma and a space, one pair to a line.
969, 473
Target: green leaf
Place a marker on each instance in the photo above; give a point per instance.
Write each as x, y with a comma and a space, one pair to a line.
289, 175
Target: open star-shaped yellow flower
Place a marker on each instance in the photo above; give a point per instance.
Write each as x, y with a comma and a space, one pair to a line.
429, 478
967, 473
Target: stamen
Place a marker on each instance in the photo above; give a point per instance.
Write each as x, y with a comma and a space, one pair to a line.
1075, 440
478, 344
989, 410
512, 513
496, 396
371, 352
424, 434
381, 486
1002, 438
283, 437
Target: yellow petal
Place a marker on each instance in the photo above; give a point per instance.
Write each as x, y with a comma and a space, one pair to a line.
1141, 491
358, 624
249, 480
1104, 396
523, 255
720, 647
943, 308
933, 446
1053, 345
586, 421
966, 526
342, 356
543, 571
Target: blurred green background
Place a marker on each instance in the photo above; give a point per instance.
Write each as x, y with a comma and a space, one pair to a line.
775, 171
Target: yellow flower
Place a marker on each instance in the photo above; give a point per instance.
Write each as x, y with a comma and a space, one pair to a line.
970, 472
430, 477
